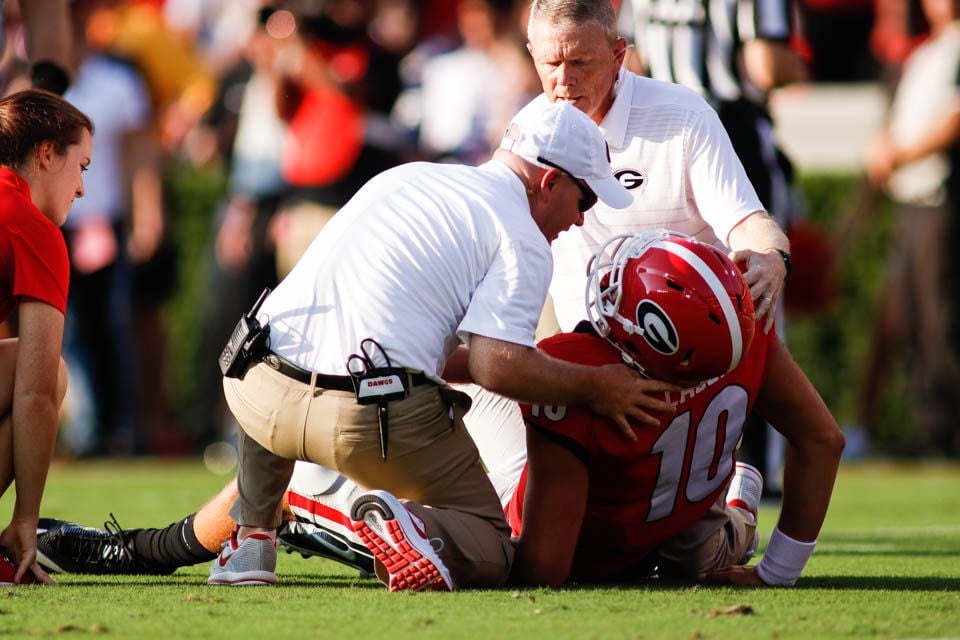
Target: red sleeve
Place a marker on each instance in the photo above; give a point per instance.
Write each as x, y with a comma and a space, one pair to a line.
40, 266
586, 433
571, 425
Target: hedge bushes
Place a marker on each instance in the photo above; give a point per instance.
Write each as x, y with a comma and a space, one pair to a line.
832, 346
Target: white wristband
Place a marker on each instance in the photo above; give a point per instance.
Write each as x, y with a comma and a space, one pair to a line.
784, 559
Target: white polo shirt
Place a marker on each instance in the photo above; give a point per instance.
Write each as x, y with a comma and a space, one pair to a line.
668, 147
424, 255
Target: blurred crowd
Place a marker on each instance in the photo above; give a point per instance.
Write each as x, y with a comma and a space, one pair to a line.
296, 103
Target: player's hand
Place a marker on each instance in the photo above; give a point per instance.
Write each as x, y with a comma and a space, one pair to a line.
738, 575
41, 575
765, 274
627, 396
19, 540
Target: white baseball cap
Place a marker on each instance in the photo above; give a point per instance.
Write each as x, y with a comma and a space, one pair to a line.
560, 136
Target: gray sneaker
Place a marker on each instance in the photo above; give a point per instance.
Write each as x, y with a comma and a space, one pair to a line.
399, 540
251, 561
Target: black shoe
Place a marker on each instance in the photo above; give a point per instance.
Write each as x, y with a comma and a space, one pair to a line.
45, 524
309, 539
67, 547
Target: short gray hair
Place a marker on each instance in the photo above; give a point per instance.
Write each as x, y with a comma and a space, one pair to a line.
573, 13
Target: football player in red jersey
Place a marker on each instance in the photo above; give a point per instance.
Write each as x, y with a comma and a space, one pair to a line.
594, 506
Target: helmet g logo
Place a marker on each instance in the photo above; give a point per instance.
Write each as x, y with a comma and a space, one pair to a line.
658, 330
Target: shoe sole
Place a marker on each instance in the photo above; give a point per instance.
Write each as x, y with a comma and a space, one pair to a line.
246, 579
412, 567
47, 564
334, 548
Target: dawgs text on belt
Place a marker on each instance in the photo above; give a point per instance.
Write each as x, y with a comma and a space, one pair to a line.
333, 383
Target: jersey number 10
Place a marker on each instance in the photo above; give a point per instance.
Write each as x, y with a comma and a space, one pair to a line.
701, 471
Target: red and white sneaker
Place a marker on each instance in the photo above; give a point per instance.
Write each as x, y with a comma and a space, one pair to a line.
398, 539
744, 493
249, 562
745, 488
8, 571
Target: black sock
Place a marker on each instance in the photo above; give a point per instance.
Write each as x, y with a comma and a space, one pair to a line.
170, 548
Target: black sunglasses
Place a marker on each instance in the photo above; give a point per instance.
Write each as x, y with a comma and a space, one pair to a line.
587, 197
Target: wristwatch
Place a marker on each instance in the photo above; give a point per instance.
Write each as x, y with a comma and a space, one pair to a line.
786, 261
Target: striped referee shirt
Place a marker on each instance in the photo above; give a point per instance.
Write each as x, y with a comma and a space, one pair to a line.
696, 43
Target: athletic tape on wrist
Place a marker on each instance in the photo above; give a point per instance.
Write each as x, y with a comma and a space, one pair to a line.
762, 234
784, 559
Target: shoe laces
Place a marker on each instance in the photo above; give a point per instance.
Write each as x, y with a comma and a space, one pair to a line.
110, 549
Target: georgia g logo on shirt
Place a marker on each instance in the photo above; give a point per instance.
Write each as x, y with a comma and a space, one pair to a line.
630, 178
658, 329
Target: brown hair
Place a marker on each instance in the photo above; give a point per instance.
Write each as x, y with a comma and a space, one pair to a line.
28, 118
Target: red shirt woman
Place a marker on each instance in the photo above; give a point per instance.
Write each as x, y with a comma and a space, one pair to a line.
45, 145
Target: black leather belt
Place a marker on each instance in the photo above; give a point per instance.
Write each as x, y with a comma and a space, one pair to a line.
334, 383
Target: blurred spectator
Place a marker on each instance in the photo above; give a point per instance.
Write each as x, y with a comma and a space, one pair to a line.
916, 158
14, 68
437, 19
241, 260
43, 35
335, 79
153, 259
337, 87
122, 197
396, 27
838, 33
465, 97
310, 108
49, 45
219, 29
181, 87
898, 27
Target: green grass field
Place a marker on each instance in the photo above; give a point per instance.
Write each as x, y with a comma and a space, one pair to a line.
887, 566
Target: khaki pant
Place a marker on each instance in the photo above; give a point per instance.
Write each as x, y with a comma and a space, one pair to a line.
431, 460
718, 539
